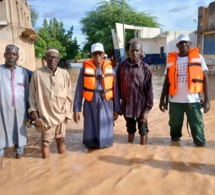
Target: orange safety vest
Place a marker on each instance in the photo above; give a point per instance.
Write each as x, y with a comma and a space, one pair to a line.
90, 80
195, 73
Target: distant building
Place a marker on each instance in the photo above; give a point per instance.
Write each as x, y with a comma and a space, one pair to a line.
206, 34
157, 48
156, 44
16, 28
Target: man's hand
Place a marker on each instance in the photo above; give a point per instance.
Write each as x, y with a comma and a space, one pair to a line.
34, 115
162, 106
115, 116
66, 120
206, 106
144, 117
76, 117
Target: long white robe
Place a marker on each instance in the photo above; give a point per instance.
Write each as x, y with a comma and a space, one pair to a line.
14, 91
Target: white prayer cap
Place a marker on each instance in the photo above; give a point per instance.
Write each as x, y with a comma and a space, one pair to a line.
183, 37
52, 50
97, 47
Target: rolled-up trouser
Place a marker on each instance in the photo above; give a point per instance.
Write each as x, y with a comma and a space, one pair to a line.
17, 150
131, 126
55, 132
194, 118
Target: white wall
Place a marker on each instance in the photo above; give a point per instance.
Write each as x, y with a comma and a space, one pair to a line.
149, 32
152, 46
142, 32
172, 36
152, 38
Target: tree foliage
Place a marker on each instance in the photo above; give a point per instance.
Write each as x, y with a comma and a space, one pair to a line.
53, 34
34, 17
98, 23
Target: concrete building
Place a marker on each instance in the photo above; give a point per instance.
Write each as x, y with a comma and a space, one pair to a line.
16, 28
158, 47
206, 34
156, 44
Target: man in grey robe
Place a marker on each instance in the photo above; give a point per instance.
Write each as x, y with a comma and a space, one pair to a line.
14, 91
98, 111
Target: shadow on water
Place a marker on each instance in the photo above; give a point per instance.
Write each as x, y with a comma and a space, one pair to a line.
207, 169
160, 141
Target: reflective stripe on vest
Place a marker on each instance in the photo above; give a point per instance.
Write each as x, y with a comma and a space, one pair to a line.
90, 80
195, 73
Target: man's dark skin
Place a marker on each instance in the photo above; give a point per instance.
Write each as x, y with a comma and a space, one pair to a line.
11, 56
135, 51
97, 57
183, 47
52, 59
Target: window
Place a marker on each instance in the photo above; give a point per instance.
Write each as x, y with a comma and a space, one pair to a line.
209, 44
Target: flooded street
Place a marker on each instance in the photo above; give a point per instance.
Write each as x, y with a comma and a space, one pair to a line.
159, 168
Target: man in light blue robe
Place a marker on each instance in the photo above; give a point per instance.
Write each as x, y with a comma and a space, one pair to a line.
14, 90
98, 113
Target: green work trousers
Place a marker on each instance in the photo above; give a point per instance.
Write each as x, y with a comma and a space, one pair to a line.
194, 119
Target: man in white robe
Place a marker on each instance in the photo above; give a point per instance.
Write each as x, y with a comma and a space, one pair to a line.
14, 91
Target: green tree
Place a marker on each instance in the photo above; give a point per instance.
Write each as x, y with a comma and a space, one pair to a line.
34, 17
98, 23
53, 34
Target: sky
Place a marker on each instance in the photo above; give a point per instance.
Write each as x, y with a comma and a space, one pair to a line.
171, 14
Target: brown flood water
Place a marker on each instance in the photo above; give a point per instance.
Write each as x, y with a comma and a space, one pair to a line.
159, 168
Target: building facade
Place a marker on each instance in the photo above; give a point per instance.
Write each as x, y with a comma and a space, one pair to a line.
157, 48
206, 34
16, 28
156, 44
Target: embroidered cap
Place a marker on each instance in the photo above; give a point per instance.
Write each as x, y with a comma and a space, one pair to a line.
97, 47
52, 50
183, 37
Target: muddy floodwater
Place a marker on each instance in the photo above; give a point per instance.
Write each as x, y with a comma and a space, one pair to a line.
159, 168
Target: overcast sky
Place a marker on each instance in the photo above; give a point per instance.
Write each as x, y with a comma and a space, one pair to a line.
172, 14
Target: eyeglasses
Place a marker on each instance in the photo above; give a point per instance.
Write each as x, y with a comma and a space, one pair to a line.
52, 58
